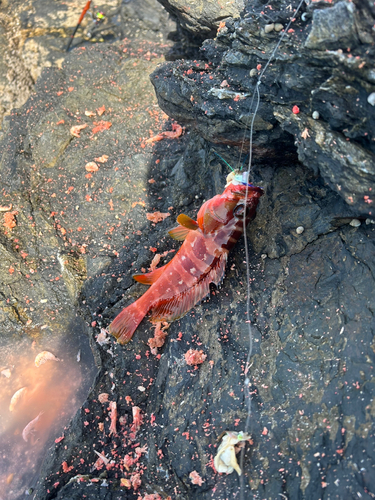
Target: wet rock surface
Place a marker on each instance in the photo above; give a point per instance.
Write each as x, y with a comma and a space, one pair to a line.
311, 268
34, 34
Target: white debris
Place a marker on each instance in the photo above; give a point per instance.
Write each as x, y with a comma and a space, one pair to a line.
225, 460
269, 27
227, 94
102, 338
371, 99
6, 372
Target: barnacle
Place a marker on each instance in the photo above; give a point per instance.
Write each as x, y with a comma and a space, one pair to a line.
225, 460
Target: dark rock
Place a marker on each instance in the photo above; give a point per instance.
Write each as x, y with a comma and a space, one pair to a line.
332, 28
216, 94
202, 18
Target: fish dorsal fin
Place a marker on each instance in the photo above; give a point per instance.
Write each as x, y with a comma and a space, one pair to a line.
150, 278
181, 303
188, 222
179, 233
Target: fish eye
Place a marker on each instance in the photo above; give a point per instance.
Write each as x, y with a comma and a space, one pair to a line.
239, 210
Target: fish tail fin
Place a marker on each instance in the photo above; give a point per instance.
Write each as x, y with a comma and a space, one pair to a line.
125, 323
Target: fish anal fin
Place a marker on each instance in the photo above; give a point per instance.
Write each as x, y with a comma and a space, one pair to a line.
150, 278
188, 222
180, 304
179, 233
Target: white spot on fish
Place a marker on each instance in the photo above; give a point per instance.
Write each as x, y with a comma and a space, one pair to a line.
192, 270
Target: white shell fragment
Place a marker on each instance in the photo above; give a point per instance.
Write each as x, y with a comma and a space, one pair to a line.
355, 223
316, 115
300, 229
17, 397
225, 460
43, 357
269, 27
6, 373
371, 99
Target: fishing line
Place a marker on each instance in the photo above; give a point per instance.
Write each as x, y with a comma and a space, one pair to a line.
226, 163
246, 176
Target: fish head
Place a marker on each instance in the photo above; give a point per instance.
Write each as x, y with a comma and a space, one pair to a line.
239, 197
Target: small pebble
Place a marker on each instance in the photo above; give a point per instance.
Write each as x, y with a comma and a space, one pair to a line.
300, 229
371, 99
355, 223
278, 27
370, 221
316, 115
269, 27
253, 72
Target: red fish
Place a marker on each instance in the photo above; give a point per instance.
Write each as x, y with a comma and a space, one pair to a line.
184, 281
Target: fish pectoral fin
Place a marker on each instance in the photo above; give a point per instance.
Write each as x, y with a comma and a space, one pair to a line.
150, 278
188, 222
179, 233
177, 306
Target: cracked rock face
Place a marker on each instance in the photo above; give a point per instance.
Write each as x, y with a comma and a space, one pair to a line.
323, 66
202, 18
311, 256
